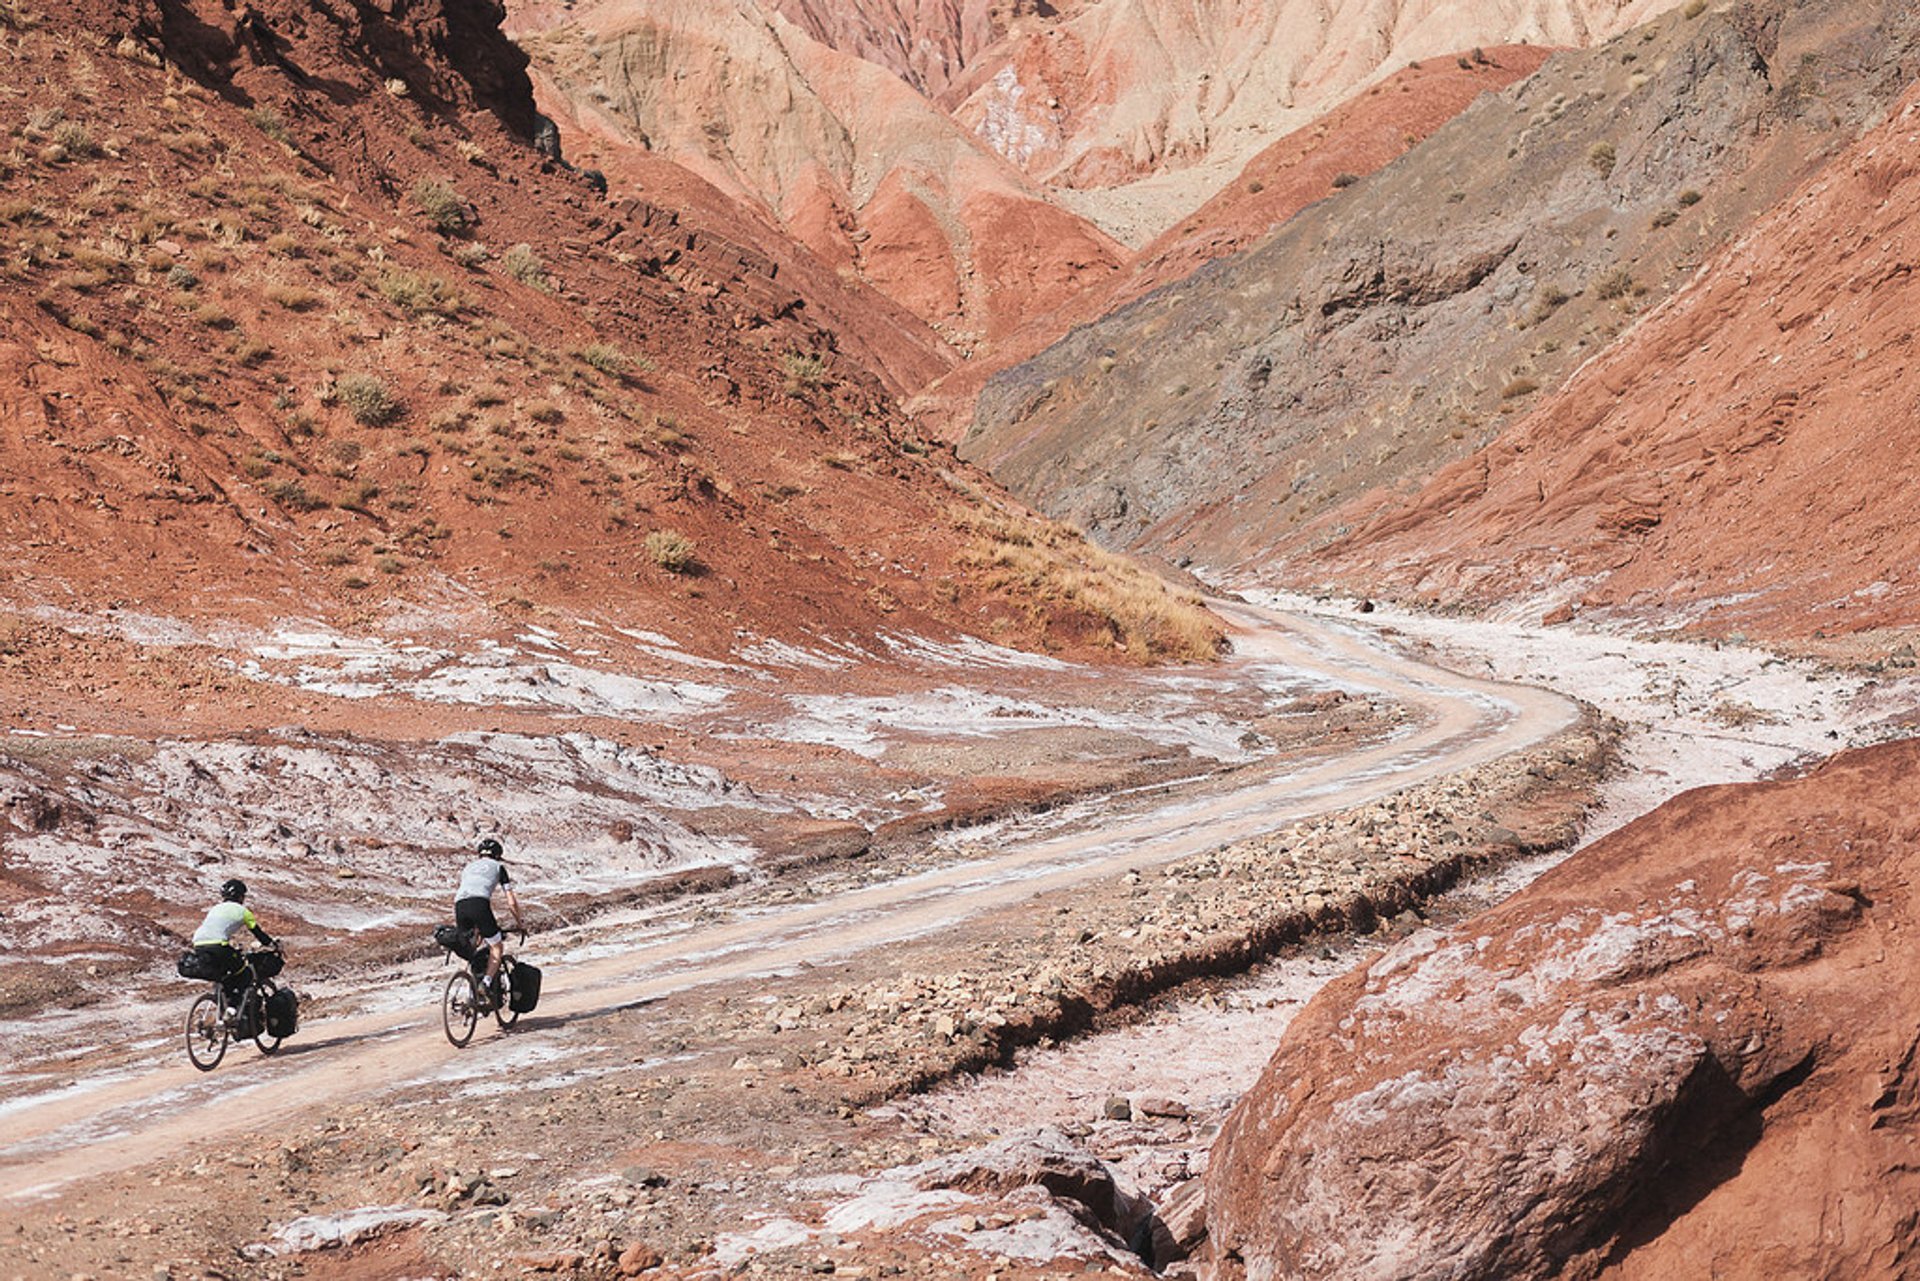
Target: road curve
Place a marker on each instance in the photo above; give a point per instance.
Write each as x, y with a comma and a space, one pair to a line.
1461, 722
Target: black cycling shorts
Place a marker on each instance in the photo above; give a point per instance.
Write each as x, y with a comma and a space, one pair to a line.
476, 914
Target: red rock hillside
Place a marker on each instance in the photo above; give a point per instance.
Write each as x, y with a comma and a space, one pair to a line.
1746, 456
1690, 1051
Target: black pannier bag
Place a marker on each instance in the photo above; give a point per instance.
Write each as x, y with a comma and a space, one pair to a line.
247, 1026
266, 965
524, 990
455, 940
283, 1013
197, 965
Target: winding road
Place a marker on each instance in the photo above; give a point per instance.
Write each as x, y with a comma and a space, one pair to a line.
93, 1128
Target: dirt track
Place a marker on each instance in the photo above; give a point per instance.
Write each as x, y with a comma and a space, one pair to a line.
152, 1112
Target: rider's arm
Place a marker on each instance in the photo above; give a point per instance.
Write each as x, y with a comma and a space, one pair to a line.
513, 901
266, 939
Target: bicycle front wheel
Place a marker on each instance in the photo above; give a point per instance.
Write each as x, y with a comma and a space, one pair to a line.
206, 1033
460, 1008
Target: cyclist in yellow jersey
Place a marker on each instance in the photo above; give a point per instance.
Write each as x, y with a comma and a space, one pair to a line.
217, 934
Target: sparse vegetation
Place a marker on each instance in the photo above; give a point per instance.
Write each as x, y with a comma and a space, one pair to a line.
269, 122
1519, 387
1603, 156
1666, 218
74, 139
292, 297
370, 401
1059, 572
1694, 8
803, 370
1547, 300
671, 550
609, 359
1344, 179
294, 496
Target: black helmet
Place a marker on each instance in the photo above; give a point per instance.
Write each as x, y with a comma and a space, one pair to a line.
234, 891
490, 848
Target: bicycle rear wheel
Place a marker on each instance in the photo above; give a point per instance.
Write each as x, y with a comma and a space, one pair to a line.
206, 1033
460, 1008
504, 1013
266, 1040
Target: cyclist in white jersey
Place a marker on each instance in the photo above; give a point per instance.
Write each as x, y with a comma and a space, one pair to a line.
473, 906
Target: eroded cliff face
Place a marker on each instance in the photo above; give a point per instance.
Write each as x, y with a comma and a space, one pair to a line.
1142, 109
927, 43
849, 159
1689, 1050
1411, 317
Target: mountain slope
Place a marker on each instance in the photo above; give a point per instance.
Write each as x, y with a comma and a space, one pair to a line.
298, 323
1744, 459
981, 163
1405, 321
1354, 139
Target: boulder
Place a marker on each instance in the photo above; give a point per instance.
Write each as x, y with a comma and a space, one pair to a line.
1048, 1159
1689, 1050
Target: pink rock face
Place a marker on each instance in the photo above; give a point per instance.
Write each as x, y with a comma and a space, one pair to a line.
1626, 1070
924, 42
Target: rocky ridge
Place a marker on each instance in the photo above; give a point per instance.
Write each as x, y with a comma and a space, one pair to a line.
980, 163
1138, 112
851, 161
524, 395
1349, 142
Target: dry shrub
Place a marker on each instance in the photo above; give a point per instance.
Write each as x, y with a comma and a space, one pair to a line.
672, 551
370, 401
419, 294
292, 297
1056, 568
524, 265
442, 205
